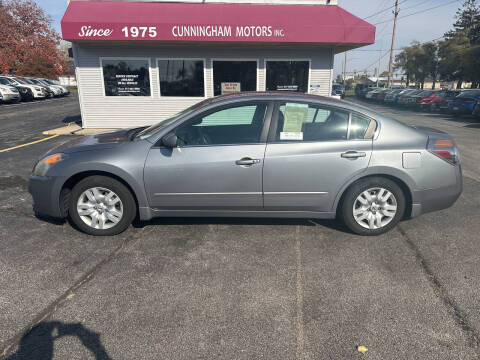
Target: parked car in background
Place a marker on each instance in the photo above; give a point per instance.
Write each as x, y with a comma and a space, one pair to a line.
432, 102
49, 93
338, 89
25, 92
391, 96
37, 91
401, 99
380, 95
449, 95
416, 100
379, 169
65, 90
9, 94
372, 93
464, 103
406, 98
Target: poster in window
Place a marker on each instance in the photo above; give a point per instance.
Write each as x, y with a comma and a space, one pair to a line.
230, 87
126, 77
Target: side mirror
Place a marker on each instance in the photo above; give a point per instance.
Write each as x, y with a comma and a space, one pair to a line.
170, 141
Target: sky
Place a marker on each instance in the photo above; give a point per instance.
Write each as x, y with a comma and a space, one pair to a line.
422, 27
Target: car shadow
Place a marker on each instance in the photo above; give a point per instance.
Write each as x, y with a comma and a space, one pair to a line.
38, 343
167, 221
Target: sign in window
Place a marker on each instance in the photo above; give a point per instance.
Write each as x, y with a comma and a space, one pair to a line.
126, 77
234, 76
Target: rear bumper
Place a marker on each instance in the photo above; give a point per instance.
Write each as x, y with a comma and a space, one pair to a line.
45, 192
425, 201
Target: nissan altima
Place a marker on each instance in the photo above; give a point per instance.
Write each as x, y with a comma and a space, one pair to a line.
270, 154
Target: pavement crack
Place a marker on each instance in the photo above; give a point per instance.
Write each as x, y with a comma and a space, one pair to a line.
8, 346
441, 292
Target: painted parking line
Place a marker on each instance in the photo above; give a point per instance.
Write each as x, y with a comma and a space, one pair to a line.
30, 143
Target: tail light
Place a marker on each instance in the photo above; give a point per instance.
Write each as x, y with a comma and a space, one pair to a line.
444, 149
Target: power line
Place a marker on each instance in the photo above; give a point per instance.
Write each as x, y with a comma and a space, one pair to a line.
381, 11
419, 12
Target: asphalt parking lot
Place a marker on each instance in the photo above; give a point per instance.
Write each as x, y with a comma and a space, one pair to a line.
234, 288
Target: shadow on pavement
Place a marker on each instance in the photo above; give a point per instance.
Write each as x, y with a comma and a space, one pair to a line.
77, 119
38, 343
165, 221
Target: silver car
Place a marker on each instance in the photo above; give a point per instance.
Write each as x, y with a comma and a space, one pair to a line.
283, 155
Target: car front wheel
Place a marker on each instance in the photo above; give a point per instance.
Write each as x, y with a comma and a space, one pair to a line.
373, 206
101, 206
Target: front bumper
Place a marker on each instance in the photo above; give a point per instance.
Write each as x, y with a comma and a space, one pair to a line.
11, 97
425, 201
45, 192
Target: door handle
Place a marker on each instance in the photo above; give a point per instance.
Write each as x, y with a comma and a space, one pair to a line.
353, 155
247, 161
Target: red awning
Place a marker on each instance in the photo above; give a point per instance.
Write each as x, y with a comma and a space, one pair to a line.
214, 22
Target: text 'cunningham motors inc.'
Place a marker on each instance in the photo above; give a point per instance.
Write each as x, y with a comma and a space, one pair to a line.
225, 31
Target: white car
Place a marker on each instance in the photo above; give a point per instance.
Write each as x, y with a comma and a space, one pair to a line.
64, 89
372, 92
9, 94
37, 91
54, 89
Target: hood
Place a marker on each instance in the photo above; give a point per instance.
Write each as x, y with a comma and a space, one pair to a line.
94, 142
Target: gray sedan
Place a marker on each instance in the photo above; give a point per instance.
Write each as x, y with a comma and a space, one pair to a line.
274, 154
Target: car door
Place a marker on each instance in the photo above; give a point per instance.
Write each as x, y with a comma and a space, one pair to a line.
313, 150
217, 164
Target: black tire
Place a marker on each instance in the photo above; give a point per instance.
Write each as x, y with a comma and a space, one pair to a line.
126, 197
359, 187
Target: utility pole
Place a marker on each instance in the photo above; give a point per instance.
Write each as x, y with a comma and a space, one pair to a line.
390, 65
345, 70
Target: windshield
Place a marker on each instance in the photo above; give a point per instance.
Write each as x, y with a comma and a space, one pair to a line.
154, 128
28, 81
19, 81
4, 81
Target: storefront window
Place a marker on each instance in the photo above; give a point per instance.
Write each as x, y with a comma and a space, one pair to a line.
183, 78
287, 75
126, 77
234, 76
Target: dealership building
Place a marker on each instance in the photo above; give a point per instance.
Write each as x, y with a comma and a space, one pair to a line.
139, 62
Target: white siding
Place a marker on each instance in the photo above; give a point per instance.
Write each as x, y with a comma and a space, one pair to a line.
99, 111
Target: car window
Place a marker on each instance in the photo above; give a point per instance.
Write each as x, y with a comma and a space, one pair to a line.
240, 124
304, 122
359, 127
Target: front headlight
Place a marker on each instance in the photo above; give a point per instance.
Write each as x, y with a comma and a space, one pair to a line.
38, 89
46, 163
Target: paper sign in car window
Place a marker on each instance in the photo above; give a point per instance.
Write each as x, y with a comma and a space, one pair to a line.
294, 117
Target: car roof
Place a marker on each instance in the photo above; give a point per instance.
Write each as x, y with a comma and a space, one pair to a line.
286, 96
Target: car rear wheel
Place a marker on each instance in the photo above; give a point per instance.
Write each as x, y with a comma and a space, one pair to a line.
101, 206
373, 206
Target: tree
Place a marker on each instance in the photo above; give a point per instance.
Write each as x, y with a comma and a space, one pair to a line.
339, 79
28, 44
459, 53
